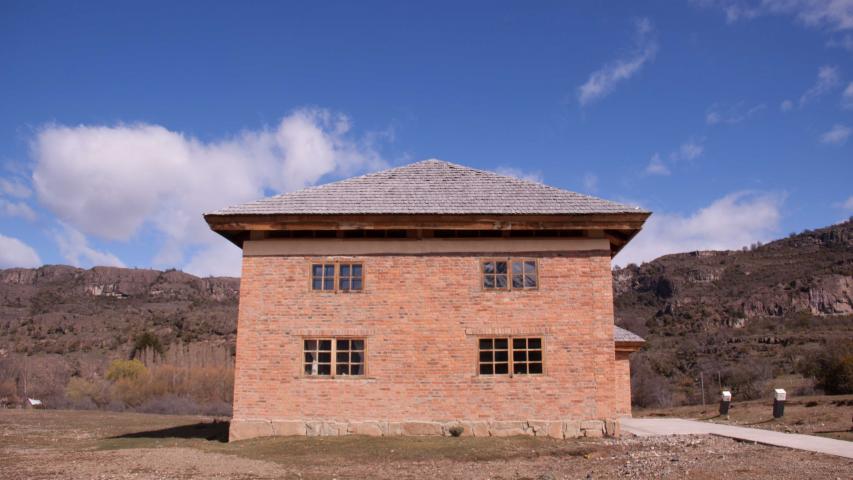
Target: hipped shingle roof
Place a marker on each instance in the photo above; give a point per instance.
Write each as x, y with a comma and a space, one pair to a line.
431, 187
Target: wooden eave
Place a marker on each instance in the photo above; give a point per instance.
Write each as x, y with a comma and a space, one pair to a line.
618, 228
629, 346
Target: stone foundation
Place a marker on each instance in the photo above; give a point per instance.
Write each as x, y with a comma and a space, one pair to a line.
245, 429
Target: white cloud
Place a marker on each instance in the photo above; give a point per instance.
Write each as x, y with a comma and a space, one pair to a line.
847, 204
837, 135
590, 182
656, 166
17, 209
603, 81
111, 181
847, 97
15, 253
786, 105
830, 14
535, 176
730, 114
731, 222
827, 79
845, 42
689, 150
75, 248
221, 259
14, 188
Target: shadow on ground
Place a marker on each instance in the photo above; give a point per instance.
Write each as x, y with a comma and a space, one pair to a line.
212, 431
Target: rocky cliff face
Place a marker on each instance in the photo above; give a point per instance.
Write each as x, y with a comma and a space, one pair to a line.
811, 272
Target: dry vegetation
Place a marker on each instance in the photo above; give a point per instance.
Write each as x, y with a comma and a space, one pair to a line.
95, 444
829, 416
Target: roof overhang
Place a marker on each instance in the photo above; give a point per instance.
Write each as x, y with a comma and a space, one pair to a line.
628, 346
618, 228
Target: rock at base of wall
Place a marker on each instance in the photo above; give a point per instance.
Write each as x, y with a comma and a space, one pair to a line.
245, 429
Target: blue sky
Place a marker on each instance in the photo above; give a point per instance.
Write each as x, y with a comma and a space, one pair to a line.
121, 124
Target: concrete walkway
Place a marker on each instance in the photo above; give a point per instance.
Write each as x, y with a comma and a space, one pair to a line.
646, 427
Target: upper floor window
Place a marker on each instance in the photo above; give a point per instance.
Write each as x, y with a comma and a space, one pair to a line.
337, 276
510, 274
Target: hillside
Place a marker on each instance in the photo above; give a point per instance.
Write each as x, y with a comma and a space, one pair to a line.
739, 318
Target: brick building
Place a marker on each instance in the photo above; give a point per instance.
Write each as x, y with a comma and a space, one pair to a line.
417, 298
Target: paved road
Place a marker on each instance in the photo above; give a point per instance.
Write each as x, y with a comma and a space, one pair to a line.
645, 427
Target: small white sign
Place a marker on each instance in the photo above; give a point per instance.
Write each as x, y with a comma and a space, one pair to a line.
780, 394
726, 396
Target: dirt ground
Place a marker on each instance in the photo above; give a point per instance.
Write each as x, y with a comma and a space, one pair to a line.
828, 415
51, 444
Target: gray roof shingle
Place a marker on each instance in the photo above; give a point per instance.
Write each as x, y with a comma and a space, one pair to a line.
622, 335
431, 187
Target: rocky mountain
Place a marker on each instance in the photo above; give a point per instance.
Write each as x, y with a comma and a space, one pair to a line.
752, 315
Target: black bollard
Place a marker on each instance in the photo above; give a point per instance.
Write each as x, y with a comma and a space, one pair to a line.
725, 401
779, 397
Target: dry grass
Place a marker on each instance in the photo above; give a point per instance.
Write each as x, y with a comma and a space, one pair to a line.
825, 415
94, 444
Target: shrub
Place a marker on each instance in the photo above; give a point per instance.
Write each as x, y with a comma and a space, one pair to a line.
82, 391
456, 430
831, 367
126, 370
145, 341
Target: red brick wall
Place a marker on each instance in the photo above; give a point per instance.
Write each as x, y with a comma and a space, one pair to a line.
415, 312
623, 383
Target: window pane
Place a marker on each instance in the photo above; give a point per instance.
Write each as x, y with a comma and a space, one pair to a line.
342, 357
501, 368
356, 284
357, 344
326, 345
356, 270
356, 369
342, 369
324, 369
344, 270
501, 343
500, 281
486, 369
501, 267
309, 369
519, 368
343, 345
329, 270
486, 356
516, 267
316, 270
356, 357
534, 356
310, 345
485, 344
488, 281
519, 343
535, 368
530, 267
343, 284
329, 283
309, 357
316, 284
519, 356
488, 267
517, 281
534, 343
529, 282
501, 356
324, 357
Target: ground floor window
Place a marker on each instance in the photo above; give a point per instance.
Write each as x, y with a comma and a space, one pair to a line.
330, 357
510, 356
